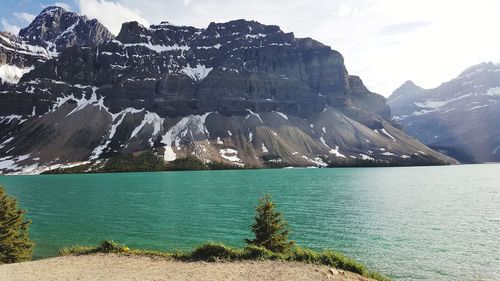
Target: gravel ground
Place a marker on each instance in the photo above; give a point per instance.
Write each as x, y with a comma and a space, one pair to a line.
121, 267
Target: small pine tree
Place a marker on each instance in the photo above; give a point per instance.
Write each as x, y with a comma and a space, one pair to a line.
270, 228
15, 245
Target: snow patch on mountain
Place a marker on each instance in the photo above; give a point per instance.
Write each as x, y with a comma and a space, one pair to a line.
322, 140
336, 152
13, 163
22, 47
476, 107
436, 104
387, 134
12, 74
197, 73
282, 115
9, 118
83, 102
216, 46
69, 30
253, 114
191, 123
157, 48
230, 155
317, 161
366, 157
101, 148
264, 148
150, 118
495, 91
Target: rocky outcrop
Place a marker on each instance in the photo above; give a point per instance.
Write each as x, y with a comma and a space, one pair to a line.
459, 117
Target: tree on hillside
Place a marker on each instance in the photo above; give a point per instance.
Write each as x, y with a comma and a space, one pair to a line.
270, 228
15, 245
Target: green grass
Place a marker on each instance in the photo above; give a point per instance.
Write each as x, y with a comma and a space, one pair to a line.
211, 252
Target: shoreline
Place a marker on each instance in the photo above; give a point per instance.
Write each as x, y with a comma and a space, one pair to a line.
55, 172
151, 162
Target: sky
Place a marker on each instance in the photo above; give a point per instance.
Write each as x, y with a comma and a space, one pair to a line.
385, 42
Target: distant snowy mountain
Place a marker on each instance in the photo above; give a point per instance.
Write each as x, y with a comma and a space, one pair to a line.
241, 93
460, 118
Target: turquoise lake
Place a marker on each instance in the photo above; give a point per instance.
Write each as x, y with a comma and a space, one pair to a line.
418, 223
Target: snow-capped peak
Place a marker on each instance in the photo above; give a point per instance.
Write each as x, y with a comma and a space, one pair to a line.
479, 68
52, 10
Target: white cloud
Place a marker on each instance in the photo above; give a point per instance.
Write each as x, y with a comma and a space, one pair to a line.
25, 17
386, 42
65, 6
6, 26
110, 13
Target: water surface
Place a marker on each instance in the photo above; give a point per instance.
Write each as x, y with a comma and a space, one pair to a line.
420, 223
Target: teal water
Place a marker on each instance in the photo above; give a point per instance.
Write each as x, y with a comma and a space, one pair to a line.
420, 223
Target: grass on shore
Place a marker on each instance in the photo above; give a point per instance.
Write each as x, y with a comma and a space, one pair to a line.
212, 252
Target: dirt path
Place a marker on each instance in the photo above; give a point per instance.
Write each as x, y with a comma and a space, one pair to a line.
119, 267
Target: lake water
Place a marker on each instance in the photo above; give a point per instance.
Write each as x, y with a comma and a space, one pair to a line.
419, 223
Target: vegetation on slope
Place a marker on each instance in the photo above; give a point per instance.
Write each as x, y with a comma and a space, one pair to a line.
143, 162
149, 161
213, 252
413, 160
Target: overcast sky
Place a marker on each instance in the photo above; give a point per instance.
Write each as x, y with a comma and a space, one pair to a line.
386, 42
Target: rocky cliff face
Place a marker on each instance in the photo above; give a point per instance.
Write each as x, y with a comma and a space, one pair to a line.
54, 30
228, 68
240, 92
57, 29
459, 118
18, 58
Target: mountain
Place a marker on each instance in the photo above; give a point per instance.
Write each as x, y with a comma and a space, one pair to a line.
240, 93
54, 30
459, 118
57, 29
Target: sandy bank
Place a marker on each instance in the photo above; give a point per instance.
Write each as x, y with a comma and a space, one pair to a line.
119, 267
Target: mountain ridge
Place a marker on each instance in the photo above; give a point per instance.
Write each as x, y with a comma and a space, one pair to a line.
456, 117
240, 93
